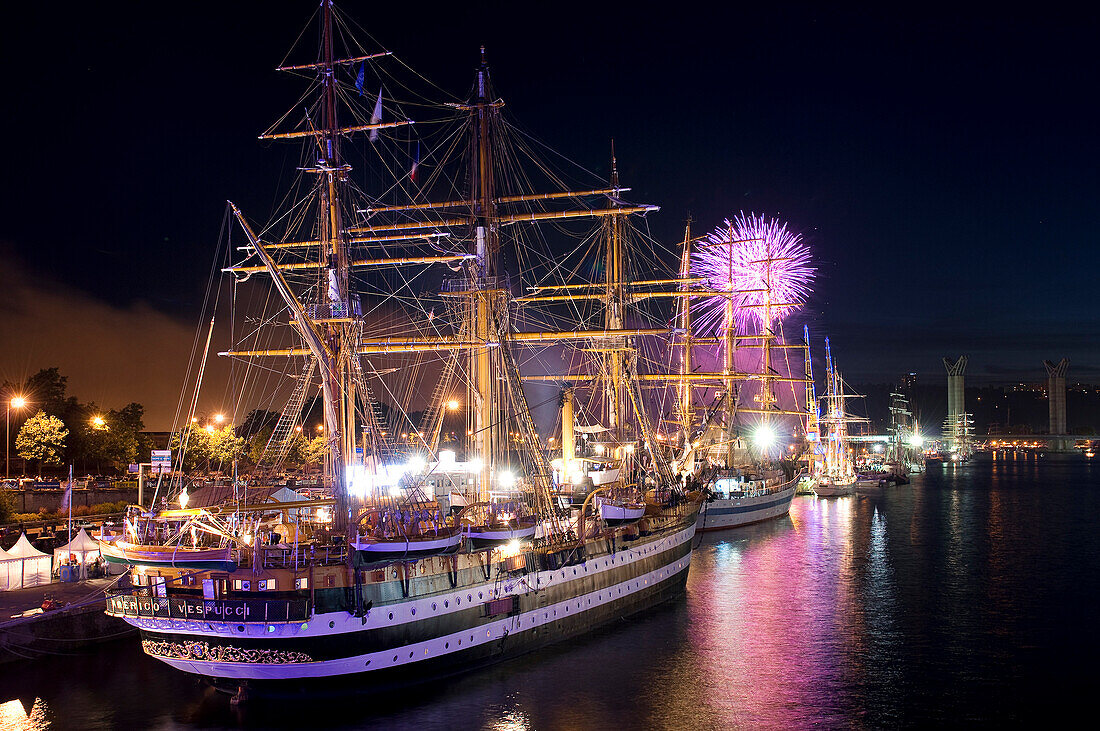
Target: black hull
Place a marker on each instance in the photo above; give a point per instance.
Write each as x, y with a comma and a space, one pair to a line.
435, 630
389, 680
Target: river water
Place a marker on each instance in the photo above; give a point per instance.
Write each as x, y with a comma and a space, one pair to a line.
966, 598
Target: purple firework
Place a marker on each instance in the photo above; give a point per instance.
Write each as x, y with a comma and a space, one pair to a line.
744, 255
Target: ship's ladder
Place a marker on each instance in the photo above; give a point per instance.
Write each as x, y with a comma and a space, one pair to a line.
282, 437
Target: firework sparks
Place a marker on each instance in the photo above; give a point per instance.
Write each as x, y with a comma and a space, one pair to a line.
744, 255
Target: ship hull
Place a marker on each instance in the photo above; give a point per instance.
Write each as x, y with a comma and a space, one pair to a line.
732, 513
432, 635
833, 489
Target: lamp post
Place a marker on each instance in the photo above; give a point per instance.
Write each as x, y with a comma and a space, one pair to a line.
18, 402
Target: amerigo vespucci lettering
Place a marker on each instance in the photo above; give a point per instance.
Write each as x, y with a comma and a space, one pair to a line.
221, 653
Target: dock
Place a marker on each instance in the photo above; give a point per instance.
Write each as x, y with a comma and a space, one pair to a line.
78, 624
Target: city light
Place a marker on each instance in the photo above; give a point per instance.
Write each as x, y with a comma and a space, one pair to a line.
17, 402
452, 405
98, 423
764, 436
219, 418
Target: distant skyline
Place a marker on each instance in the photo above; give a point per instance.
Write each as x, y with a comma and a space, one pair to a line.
942, 164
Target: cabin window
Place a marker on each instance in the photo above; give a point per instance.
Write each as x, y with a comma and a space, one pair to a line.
301, 583
159, 587
207, 588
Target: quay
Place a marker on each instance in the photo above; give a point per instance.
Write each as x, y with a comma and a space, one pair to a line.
81, 622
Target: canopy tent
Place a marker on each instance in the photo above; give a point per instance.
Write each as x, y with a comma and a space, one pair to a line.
23, 566
82, 550
3, 569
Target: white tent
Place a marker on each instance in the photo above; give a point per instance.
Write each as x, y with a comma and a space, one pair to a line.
4, 580
83, 549
25, 565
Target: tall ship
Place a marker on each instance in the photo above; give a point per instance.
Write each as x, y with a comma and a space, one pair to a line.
836, 473
384, 297
747, 447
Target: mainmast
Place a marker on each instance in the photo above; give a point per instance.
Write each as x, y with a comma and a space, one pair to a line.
340, 333
484, 275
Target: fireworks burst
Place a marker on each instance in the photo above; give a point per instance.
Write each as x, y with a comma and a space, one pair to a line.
744, 255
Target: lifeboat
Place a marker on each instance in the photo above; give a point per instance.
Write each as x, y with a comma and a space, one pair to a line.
620, 512
406, 535
133, 554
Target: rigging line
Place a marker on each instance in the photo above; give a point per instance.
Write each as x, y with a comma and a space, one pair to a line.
210, 287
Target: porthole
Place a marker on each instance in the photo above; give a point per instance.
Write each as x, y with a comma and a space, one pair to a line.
446, 645
480, 595
240, 627
433, 606
391, 615
469, 598
395, 658
368, 664
446, 604
331, 625
411, 655
414, 611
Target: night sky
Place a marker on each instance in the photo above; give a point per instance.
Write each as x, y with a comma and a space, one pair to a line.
942, 163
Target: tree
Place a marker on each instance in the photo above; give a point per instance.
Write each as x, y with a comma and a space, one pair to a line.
7, 506
42, 438
210, 448
313, 453
258, 444
257, 421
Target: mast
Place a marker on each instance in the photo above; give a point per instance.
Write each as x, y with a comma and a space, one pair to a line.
684, 387
615, 271
484, 271
813, 413
568, 437
340, 428
729, 364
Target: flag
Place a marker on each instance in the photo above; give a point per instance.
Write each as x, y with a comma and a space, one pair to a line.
376, 116
67, 496
416, 164
360, 79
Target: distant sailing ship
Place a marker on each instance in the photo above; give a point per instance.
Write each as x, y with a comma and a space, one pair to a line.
732, 450
410, 561
836, 475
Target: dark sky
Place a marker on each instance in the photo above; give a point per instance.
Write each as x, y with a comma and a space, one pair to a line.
942, 162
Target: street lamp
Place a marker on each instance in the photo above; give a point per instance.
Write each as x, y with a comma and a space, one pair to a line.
18, 402
99, 423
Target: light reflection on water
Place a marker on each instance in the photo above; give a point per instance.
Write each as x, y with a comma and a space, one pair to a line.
966, 597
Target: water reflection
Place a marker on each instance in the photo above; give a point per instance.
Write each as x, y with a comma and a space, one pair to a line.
965, 597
